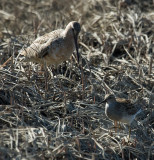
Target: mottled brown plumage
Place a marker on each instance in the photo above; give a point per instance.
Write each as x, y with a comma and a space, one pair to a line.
55, 47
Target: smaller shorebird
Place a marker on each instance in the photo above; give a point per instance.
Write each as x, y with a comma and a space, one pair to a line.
119, 109
55, 47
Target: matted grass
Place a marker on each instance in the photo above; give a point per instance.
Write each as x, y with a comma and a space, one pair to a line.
63, 118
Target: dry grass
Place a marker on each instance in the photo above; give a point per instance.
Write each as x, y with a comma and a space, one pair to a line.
61, 119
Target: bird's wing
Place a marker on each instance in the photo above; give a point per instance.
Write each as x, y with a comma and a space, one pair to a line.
126, 106
52, 45
123, 100
52, 35
40, 47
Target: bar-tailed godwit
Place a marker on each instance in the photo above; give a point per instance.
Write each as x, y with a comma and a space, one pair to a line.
55, 47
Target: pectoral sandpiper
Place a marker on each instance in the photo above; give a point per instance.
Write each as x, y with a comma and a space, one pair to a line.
119, 109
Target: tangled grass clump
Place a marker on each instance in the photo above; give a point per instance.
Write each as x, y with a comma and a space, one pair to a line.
62, 119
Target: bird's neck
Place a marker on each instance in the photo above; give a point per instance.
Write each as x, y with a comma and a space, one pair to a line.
67, 32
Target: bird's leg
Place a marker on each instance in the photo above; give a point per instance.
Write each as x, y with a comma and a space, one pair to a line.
41, 68
115, 125
82, 79
55, 73
46, 79
129, 131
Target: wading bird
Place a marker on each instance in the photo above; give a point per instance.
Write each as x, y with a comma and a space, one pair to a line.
55, 47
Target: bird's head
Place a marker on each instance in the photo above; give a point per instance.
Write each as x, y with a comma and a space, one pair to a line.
109, 98
74, 28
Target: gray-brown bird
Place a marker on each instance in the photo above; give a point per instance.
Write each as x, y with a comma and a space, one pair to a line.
119, 109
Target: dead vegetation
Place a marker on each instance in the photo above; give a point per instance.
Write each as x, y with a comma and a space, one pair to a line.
59, 117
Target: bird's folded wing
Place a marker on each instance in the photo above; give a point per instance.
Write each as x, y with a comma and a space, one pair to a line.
127, 106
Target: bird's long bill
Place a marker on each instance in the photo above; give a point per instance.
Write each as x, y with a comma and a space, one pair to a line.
102, 102
76, 46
